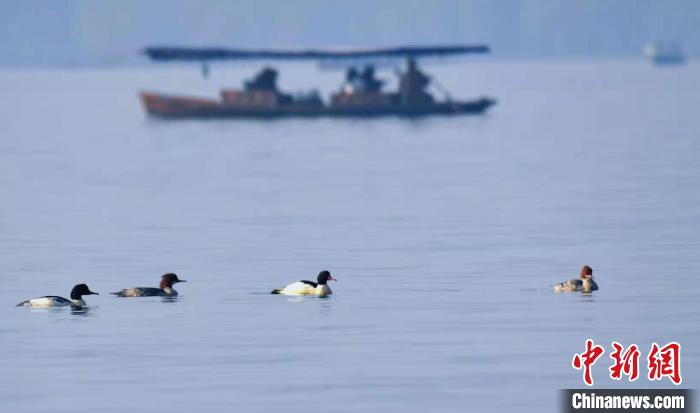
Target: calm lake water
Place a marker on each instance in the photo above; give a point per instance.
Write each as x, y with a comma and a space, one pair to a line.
446, 235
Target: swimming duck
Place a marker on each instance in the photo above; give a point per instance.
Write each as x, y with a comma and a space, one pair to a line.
585, 284
166, 288
305, 287
76, 299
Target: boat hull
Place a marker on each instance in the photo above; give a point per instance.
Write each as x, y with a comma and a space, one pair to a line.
175, 107
668, 60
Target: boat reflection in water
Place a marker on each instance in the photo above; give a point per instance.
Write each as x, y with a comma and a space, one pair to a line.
360, 95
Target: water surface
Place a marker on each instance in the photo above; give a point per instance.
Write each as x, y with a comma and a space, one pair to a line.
446, 235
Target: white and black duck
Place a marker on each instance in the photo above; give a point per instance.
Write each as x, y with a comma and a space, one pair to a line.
76, 299
305, 287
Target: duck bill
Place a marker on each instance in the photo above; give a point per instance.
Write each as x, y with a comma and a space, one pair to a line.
93, 293
181, 281
330, 278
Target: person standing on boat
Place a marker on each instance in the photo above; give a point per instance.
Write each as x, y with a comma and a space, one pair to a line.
412, 86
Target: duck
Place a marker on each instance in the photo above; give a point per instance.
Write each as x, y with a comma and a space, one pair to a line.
319, 288
166, 288
76, 299
585, 283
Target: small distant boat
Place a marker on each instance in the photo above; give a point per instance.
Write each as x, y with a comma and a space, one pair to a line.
665, 53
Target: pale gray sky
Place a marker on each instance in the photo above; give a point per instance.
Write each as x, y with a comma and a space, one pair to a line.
103, 32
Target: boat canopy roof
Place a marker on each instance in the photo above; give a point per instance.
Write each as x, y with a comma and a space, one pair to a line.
200, 54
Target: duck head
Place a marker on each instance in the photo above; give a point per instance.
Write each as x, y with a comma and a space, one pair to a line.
167, 280
324, 277
80, 290
586, 273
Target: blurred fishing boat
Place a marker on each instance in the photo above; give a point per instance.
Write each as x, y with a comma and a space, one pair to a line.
359, 96
665, 53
